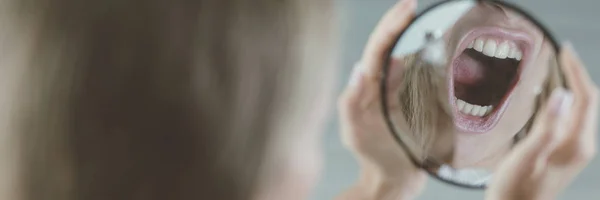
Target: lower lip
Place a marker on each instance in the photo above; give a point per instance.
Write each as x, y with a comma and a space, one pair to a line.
478, 125
472, 124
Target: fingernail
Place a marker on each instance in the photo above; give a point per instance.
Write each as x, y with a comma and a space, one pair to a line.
356, 75
408, 3
567, 102
568, 46
537, 90
561, 101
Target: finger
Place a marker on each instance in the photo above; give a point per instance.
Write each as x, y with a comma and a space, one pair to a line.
578, 80
545, 134
383, 38
581, 142
362, 87
356, 89
362, 92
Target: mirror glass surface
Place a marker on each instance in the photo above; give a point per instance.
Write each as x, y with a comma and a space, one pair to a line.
463, 84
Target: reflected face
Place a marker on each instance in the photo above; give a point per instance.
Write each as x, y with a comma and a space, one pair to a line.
498, 61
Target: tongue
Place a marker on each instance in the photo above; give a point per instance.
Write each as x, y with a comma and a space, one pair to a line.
467, 70
482, 80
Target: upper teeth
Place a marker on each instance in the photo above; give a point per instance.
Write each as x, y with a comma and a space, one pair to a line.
474, 110
492, 48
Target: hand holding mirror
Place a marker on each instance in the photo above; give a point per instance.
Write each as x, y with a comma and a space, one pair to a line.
474, 75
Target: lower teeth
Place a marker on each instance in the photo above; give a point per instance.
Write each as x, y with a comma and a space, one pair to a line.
473, 110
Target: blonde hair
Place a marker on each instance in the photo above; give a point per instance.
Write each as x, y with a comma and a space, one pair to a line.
424, 103
422, 86
122, 99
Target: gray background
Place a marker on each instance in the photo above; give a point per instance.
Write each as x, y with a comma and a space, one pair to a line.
575, 20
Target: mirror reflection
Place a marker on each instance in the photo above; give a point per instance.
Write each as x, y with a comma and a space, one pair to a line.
469, 77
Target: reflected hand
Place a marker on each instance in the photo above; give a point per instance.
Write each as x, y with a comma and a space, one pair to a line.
560, 145
386, 171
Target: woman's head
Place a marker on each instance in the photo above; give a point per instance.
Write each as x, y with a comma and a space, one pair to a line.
505, 61
208, 99
501, 69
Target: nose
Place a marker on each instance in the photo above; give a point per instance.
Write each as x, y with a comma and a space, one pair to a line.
509, 17
512, 17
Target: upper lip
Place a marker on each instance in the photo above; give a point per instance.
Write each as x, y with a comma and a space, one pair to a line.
524, 40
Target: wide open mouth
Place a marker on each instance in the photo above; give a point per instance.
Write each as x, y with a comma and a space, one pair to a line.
484, 75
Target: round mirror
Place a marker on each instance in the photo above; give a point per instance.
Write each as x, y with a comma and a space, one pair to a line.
463, 84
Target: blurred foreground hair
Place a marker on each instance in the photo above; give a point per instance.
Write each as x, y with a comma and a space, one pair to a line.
156, 99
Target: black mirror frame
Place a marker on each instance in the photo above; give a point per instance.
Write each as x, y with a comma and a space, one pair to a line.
386, 67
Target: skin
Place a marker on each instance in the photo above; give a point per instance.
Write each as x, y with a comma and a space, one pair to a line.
386, 172
561, 144
486, 150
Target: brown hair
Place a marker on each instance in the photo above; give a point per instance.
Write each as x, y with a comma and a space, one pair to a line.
175, 99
